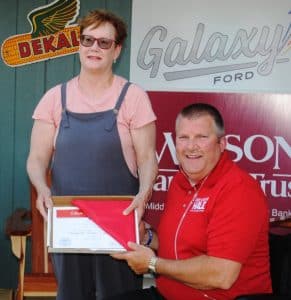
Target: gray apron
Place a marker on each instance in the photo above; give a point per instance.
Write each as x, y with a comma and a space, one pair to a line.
88, 160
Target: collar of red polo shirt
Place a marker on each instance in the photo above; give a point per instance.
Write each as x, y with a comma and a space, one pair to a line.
107, 213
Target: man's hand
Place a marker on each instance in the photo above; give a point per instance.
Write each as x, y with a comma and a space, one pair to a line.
137, 259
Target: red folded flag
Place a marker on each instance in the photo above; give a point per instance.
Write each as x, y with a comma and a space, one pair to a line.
108, 215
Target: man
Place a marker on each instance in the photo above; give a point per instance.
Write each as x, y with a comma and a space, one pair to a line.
212, 240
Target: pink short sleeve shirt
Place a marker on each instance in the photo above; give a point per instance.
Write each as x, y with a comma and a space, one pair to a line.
135, 112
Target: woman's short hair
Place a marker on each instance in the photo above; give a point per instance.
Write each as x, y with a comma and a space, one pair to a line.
100, 16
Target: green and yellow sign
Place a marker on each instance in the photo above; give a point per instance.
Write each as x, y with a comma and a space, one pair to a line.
51, 35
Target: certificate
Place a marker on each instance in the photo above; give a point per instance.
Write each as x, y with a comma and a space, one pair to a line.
90, 224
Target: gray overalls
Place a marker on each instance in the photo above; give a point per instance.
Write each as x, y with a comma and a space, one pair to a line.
89, 161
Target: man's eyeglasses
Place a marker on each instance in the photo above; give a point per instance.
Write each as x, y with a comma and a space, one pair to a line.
103, 43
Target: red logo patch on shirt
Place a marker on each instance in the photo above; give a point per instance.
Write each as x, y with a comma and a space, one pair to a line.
199, 204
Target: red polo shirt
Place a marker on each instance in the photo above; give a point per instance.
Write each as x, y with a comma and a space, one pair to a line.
228, 218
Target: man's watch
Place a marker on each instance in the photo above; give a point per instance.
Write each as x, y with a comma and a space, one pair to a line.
153, 263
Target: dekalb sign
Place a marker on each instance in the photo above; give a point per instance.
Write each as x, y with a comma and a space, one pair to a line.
51, 35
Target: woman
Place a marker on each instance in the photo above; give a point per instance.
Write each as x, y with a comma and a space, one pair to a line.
101, 134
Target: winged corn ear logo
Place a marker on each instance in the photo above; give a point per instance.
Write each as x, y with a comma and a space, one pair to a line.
52, 35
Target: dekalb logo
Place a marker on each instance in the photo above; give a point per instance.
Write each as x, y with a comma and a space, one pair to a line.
51, 35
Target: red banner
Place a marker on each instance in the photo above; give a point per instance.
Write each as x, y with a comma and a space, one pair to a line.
258, 135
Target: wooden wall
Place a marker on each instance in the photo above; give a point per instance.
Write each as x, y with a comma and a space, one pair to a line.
21, 88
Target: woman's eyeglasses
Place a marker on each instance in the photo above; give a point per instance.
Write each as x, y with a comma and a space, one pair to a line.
103, 43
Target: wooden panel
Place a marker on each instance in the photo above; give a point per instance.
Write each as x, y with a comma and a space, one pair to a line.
29, 85
38, 264
39, 284
8, 266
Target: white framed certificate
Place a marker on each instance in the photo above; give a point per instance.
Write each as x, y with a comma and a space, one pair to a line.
90, 224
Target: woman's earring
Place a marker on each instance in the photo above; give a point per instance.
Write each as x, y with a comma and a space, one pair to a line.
114, 61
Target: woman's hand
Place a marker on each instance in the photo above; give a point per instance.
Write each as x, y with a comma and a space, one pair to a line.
44, 201
144, 142
139, 203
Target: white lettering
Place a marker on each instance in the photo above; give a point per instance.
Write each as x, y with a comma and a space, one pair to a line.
248, 147
162, 183
155, 206
240, 148
281, 213
169, 144
233, 148
273, 187
280, 141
